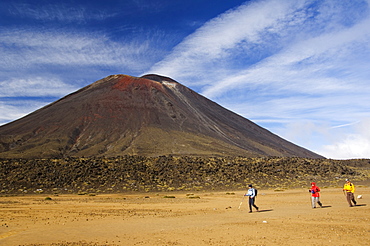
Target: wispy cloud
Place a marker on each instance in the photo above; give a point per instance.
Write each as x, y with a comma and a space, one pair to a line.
15, 109
264, 42
19, 96
225, 36
61, 12
345, 125
35, 87
34, 48
315, 62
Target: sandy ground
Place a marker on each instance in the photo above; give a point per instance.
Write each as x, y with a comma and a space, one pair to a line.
209, 218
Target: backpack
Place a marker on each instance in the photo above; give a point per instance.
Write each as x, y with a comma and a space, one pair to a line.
255, 192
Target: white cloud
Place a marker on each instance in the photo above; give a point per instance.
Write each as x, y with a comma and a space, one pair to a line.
34, 48
35, 87
306, 62
355, 144
11, 110
232, 30
281, 44
345, 141
19, 96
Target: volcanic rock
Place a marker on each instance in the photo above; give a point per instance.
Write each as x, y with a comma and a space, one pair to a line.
149, 116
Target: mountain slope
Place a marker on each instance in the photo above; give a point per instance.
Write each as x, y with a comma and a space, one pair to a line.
152, 115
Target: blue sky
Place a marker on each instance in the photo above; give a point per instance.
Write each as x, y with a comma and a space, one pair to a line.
299, 68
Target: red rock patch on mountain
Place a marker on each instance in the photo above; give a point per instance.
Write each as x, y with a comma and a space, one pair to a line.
150, 116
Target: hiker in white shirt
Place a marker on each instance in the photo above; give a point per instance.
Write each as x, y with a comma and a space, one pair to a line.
252, 197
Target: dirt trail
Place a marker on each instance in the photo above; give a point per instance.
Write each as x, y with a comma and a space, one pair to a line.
285, 218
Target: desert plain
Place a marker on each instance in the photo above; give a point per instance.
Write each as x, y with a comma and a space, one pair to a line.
285, 217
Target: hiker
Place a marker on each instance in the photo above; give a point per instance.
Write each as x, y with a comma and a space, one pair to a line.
252, 196
315, 195
349, 189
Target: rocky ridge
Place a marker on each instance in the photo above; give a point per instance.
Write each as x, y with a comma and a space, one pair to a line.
170, 173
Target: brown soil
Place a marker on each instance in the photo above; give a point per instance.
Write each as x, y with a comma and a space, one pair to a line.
204, 218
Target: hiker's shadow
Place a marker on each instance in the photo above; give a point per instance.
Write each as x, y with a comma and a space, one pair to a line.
360, 205
265, 210
328, 206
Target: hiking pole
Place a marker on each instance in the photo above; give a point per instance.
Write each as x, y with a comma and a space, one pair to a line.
241, 202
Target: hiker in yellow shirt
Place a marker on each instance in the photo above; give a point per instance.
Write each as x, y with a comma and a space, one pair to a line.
349, 188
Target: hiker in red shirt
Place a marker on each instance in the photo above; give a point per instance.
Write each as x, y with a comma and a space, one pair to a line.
315, 195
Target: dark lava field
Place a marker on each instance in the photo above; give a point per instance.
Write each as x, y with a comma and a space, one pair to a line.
168, 173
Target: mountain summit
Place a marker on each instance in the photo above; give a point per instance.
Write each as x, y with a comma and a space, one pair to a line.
150, 116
